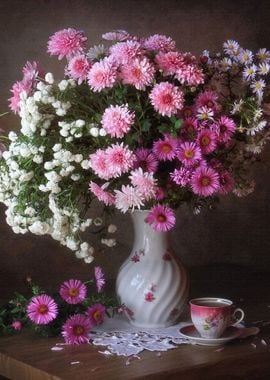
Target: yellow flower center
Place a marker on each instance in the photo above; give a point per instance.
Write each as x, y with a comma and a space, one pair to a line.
78, 330
97, 315
43, 309
205, 140
166, 148
161, 218
189, 153
73, 292
205, 181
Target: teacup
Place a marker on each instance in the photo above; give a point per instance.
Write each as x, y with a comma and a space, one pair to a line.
211, 316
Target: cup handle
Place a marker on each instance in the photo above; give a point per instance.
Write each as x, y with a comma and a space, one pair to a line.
238, 310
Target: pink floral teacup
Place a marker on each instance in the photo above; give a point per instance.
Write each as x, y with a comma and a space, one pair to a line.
211, 316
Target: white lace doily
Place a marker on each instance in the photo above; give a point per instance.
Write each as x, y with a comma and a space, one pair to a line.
121, 338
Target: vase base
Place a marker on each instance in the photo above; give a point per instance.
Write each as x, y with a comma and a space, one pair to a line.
153, 325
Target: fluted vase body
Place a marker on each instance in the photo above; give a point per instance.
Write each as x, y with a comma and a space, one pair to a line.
152, 283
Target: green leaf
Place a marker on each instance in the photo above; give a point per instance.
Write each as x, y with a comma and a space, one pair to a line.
146, 125
178, 123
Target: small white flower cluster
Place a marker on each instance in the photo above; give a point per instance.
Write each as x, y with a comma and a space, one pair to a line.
49, 203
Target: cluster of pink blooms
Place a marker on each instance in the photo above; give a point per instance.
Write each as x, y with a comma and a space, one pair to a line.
43, 310
173, 86
137, 62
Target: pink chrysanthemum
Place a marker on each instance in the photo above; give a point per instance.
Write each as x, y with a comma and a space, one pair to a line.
73, 291
96, 314
190, 74
31, 71
159, 42
99, 164
100, 279
67, 43
102, 74
14, 101
117, 120
78, 68
76, 329
139, 73
226, 182
16, 325
205, 181
128, 199
42, 309
169, 62
161, 218
144, 182
125, 52
225, 128
181, 176
101, 194
207, 141
189, 153
120, 159
190, 128
165, 149
117, 35
146, 160
166, 98
207, 99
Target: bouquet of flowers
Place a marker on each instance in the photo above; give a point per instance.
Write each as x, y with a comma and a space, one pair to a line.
135, 123
72, 312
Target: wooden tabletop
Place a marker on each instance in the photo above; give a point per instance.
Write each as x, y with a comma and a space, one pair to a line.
27, 356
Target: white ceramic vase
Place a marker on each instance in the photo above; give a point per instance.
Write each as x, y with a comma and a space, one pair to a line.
152, 283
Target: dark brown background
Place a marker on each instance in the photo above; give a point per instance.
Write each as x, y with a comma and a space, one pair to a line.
237, 234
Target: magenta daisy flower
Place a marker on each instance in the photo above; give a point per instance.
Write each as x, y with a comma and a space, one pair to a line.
101, 194
165, 149
76, 329
225, 128
190, 128
139, 73
207, 141
96, 314
146, 160
102, 74
166, 98
73, 291
207, 99
189, 153
117, 120
226, 182
78, 68
42, 309
100, 279
205, 181
161, 218
158, 42
67, 43
181, 176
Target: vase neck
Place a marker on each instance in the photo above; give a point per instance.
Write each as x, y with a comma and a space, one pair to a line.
145, 237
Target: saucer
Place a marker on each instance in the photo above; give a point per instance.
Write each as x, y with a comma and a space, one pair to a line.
189, 332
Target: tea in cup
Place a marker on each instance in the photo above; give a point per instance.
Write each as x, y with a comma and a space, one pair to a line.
211, 316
